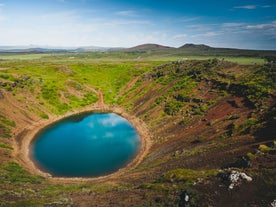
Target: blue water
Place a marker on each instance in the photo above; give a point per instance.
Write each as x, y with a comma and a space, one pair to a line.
86, 145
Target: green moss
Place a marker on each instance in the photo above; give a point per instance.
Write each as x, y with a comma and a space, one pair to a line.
6, 121
186, 175
3, 145
247, 126
6, 132
44, 116
264, 148
173, 107
12, 173
251, 156
225, 135
55, 190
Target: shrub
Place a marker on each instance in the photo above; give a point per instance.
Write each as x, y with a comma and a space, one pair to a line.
3, 145
173, 107
264, 148
247, 126
44, 116
6, 121
5, 131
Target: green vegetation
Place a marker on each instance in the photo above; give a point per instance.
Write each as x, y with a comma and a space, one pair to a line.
266, 149
3, 145
5, 126
13, 173
49, 82
5, 131
44, 116
19, 56
188, 176
4, 120
247, 126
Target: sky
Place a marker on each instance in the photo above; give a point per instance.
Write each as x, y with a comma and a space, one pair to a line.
247, 24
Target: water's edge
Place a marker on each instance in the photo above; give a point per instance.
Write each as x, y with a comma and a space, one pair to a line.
22, 151
44, 163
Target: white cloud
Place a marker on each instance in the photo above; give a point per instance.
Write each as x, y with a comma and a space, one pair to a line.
232, 24
119, 22
271, 25
188, 19
180, 36
257, 26
69, 28
253, 6
233, 27
108, 135
201, 27
246, 7
266, 6
127, 13
112, 120
207, 34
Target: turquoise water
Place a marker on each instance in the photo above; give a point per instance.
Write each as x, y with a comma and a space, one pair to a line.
86, 145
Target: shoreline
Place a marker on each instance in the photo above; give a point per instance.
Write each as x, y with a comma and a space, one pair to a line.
22, 148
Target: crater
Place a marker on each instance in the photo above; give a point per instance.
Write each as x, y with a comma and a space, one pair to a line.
85, 145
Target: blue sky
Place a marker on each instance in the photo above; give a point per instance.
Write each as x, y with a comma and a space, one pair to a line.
126, 23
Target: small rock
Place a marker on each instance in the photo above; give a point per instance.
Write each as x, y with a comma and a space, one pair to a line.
273, 204
235, 178
187, 198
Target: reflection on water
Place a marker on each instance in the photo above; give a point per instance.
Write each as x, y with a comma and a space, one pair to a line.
86, 145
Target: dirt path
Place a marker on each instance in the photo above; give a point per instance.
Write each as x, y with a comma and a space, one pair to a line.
101, 99
128, 86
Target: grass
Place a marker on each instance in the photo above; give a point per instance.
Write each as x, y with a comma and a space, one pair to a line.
44, 116
265, 149
6, 121
240, 60
17, 56
187, 175
12, 172
48, 82
5, 131
3, 145
245, 60
125, 56
247, 126
178, 179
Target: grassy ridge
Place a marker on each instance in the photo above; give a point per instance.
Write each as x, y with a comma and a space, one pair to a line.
126, 56
61, 87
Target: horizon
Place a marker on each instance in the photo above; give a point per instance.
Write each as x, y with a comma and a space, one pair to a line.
106, 23
56, 47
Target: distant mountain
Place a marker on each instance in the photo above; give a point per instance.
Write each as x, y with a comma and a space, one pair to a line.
188, 49
195, 47
49, 49
144, 47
